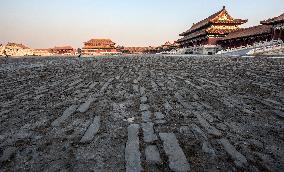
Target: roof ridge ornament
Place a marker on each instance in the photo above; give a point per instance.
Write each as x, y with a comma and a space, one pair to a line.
224, 7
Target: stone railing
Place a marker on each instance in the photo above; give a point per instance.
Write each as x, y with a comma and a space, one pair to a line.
267, 47
257, 48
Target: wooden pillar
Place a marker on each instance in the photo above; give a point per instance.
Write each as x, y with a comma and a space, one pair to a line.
273, 33
231, 43
281, 34
277, 34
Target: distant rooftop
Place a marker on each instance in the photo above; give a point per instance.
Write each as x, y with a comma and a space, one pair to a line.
274, 20
251, 31
12, 44
100, 41
67, 47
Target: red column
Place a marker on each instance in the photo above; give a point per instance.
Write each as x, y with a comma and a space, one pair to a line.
277, 34
273, 33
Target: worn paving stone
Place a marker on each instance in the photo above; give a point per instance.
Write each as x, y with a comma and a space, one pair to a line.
160, 121
279, 113
106, 85
92, 130
152, 155
177, 159
85, 106
148, 132
168, 106
209, 128
242, 98
7, 154
159, 115
146, 115
136, 88
144, 107
154, 86
75, 82
142, 90
239, 159
132, 153
67, 113
143, 99
200, 135
93, 85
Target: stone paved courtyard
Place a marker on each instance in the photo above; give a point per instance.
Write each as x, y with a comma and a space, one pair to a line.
142, 113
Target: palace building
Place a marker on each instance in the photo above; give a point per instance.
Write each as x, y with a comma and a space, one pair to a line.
2, 48
98, 46
271, 29
15, 49
42, 52
137, 50
277, 24
210, 30
169, 46
63, 50
246, 36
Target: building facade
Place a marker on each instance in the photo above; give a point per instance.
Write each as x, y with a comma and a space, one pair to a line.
2, 48
99, 47
139, 50
246, 36
210, 30
271, 29
277, 24
15, 49
63, 50
42, 52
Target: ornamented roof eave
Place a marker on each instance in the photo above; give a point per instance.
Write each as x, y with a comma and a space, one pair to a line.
235, 21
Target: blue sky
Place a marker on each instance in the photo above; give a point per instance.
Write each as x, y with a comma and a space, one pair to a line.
46, 23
